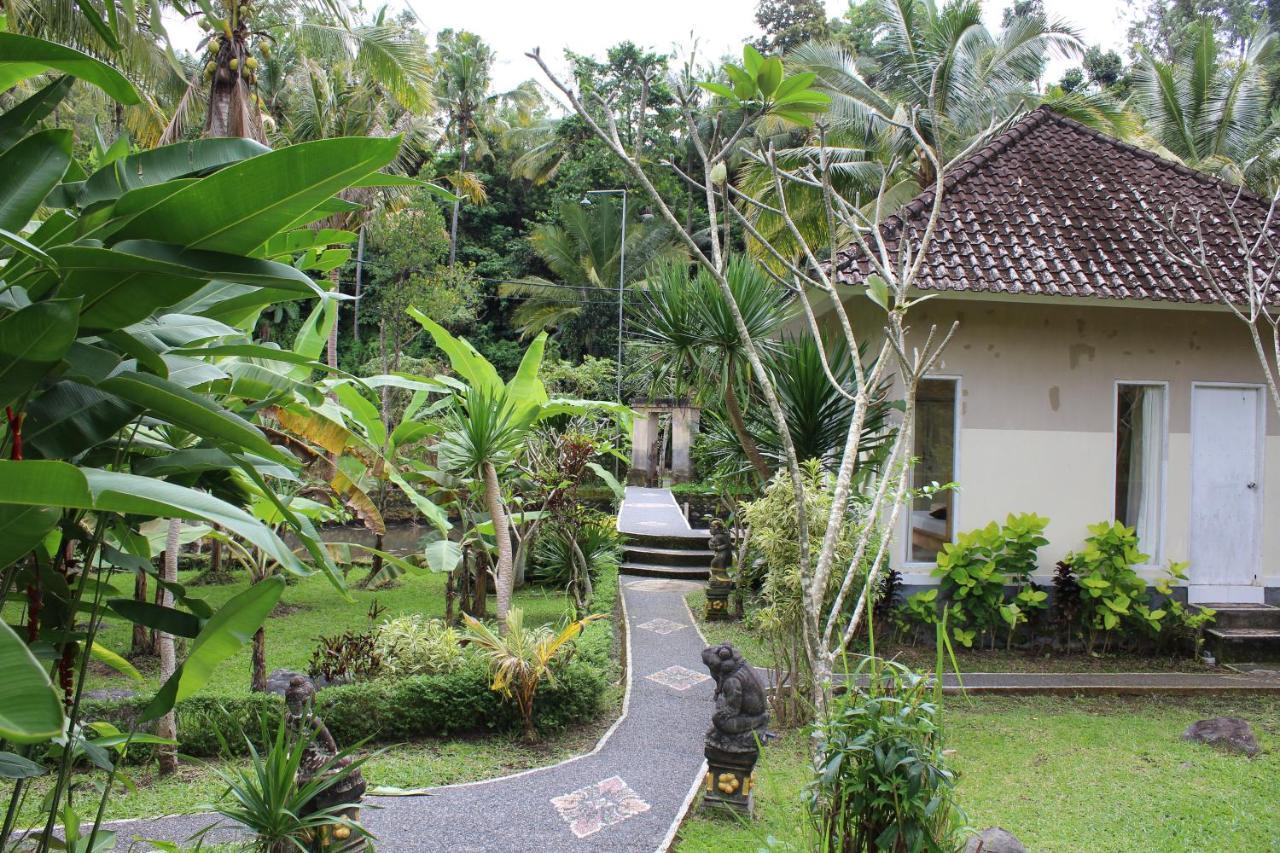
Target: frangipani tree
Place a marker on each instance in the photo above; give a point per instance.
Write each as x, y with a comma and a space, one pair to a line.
486, 425
752, 101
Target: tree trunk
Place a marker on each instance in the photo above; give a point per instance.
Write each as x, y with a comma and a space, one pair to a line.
457, 205
480, 588
739, 425
215, 556
337, 315
141, 637
167, 727
503, 576
259, 684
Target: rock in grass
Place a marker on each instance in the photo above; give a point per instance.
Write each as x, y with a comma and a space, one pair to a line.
993, 839
1227, 733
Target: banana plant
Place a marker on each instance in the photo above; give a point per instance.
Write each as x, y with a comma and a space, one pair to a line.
118, 286
486, 425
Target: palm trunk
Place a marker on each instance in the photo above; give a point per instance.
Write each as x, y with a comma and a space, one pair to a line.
739, 425
503, 576
259, 684
457, 205
337, 315
167, 727
141, 638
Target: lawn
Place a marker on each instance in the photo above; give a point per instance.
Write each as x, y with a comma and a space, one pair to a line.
415, 765
1097, 774
970, 660
310, 608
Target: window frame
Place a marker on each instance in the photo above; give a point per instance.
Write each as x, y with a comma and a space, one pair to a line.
1156, 556
907, 561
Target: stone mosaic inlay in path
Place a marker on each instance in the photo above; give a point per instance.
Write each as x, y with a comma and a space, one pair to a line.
589, 810
678, 678
662, 626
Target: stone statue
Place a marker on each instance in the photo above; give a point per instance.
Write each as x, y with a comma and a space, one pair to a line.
721, 545
320, 751
721, 585
737, 728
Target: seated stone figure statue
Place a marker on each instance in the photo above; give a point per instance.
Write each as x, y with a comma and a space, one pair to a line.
321, 750
741, 714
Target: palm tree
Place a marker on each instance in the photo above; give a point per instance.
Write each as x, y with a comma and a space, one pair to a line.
226, 83
1210, 112
464, 63
582, 250
327, 99
687, 326
964, 82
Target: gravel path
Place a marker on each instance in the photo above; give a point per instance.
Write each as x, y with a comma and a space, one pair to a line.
628, 794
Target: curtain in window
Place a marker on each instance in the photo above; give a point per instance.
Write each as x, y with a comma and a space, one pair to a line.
1146, 450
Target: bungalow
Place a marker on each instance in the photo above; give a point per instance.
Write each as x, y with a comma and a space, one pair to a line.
1090, 377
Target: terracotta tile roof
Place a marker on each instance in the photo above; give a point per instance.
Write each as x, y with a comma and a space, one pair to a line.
1050, 207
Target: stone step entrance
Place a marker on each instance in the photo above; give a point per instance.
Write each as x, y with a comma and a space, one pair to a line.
1244, 632
658, 539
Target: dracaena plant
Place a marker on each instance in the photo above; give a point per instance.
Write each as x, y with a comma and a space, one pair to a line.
121, 292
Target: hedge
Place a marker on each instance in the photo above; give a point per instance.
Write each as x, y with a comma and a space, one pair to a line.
387, 709
413, 708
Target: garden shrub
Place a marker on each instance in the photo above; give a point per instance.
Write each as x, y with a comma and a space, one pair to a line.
880, 775
416, 645
974, 570
775, 534
350, 656
1112, 593
384, 709
598, 539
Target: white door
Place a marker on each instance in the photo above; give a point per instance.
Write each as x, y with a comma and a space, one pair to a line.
1226, 493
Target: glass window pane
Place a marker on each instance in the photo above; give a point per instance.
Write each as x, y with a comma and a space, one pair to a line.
1140, 431
932, 521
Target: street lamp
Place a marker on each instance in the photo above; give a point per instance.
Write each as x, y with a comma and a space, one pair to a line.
622, 268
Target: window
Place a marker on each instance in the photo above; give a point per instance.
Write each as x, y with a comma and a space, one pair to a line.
932, 521
1140, 444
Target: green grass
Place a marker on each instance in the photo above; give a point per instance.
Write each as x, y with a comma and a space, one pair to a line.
970, 660
1097, 774
309, 608
406, 765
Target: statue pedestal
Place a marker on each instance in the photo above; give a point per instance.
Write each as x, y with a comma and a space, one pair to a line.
729, 780
719, 590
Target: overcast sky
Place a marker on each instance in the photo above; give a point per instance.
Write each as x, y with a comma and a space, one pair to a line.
513, 27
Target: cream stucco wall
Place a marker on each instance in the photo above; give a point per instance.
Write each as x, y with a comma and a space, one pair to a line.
1037, 410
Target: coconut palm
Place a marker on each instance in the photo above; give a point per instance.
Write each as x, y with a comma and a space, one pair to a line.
1210, 111
226, 83
582, 249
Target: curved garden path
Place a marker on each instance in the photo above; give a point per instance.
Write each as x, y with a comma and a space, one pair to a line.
627, 794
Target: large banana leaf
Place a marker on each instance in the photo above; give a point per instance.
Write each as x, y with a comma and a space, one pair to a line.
28, 173
129, 282
69, 418
22, 57
195, 413
21, 529
222, 636
33, 341
30, 710
60, 484
465, 359
18, 121
180, 160
240, 207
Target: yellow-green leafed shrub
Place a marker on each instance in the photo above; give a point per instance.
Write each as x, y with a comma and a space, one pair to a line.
416, 645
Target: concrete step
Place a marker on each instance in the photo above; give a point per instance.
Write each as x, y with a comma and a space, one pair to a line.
1230, 645
695, 541
1230, 616
651, 570
669, 556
